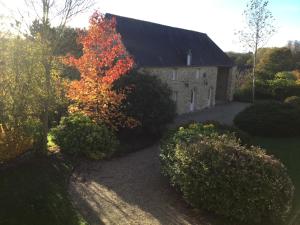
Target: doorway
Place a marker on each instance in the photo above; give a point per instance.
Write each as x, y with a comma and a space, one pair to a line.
192, 100
222, 84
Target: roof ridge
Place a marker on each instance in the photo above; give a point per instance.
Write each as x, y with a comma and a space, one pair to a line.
154, 23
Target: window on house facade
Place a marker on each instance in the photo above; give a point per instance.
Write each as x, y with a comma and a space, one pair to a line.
198, 74
174, 75
204, 75
192, 96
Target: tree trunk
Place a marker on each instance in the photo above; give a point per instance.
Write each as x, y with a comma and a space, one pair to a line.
253, 73
45, 116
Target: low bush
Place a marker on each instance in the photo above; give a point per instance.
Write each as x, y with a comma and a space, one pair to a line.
78, 134
216, 173
270, 119
285, 75
283, 88
277, 89
293, 100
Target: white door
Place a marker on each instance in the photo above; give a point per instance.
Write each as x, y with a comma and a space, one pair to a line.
192, 101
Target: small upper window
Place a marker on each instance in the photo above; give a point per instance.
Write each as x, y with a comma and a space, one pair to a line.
174, 75
204, 75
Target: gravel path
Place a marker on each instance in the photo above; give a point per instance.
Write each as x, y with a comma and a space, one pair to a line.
131, 189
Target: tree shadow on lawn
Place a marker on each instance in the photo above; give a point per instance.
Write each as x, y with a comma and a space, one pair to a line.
34, 192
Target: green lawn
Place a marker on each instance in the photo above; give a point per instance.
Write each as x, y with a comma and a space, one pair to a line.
35, 193
288, 151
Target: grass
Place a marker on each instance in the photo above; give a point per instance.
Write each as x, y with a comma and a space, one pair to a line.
288, 151
34, 192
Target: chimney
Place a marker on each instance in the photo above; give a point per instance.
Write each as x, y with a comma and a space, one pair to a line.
189, 58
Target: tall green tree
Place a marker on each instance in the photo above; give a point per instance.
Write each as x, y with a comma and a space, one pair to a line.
22, 84
258, 29
47, 11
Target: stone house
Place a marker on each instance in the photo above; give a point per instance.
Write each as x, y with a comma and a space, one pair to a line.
198, 72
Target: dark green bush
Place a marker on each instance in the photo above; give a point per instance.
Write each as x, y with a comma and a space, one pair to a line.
270, 119
277, 89
262, 91
293, 100
216, 173
149, 102
78, 134
282, 89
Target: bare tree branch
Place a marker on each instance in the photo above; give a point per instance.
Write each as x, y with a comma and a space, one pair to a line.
257, 31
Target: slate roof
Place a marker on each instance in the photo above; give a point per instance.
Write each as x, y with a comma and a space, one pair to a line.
156, 45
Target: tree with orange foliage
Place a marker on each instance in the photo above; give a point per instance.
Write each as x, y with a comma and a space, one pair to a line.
104, 60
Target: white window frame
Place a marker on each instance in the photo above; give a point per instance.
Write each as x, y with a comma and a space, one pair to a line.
174, 75
198, 74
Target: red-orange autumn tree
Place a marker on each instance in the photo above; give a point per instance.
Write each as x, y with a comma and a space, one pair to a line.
104, 60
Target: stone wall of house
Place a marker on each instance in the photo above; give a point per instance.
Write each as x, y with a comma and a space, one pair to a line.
182, 81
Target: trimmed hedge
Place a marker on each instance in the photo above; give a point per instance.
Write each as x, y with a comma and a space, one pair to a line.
216, 173
270, 119
243, 137
78, 134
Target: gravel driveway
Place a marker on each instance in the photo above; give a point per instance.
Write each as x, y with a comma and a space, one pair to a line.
131, 189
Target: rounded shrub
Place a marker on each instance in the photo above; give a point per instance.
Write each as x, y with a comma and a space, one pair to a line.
242, 136
270, 119
216, 173
78, 134
148, 100
293, 100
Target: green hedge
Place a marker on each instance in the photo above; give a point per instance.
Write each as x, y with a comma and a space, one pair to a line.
78, 134
277, 89
270, 119
216, 173
243, 137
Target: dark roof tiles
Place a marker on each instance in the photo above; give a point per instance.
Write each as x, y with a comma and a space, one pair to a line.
156, 45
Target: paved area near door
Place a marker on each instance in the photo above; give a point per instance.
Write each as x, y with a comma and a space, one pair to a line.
224, 113
131, 189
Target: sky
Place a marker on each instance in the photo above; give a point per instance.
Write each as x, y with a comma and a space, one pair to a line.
220, 19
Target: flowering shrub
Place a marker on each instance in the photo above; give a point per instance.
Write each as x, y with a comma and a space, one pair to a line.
215, 172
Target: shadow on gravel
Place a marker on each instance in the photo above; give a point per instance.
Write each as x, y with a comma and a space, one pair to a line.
129, 190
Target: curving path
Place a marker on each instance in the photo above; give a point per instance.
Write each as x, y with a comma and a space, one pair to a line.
131, 189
